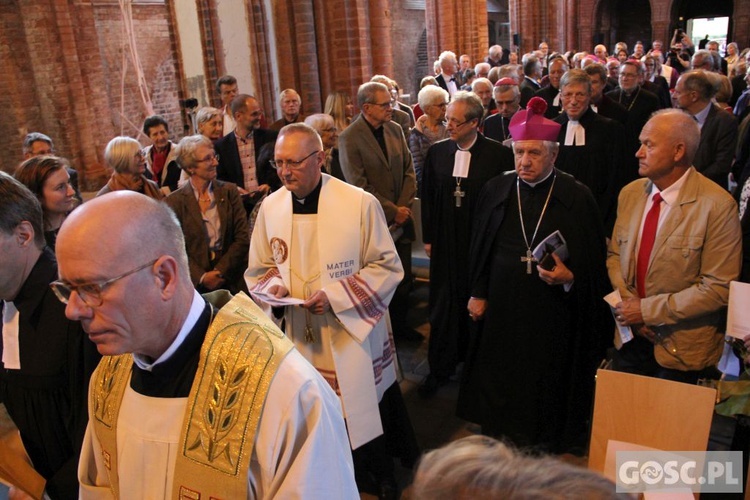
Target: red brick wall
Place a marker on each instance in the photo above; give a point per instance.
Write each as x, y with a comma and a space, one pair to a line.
61, 75
457, 25
18, 97
155, 52
407, 31
62, 60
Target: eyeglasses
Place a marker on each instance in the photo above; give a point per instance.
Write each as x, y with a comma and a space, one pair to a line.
209, 159
329, 130
383, 105
455, 123
90, 293
140, 155
290, 164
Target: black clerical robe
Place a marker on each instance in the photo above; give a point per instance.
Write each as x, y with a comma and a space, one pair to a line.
598, 163
46, 398
529, 373
612, 110
496, 127
640, 105
549, 94
448, 229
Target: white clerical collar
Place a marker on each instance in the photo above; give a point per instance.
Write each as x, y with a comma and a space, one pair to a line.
474, 141
575, 130
196, 309
534, 184
11, 353
670, 194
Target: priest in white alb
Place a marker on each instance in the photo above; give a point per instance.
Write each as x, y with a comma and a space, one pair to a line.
322, 247
195, 396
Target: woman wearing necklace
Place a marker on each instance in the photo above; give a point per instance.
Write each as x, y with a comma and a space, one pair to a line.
125, 157
47, 177
212, 217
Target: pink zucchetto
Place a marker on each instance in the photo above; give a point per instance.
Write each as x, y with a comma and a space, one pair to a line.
505, 81
530, 124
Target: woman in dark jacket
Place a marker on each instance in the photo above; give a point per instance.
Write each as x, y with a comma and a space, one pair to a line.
212, 217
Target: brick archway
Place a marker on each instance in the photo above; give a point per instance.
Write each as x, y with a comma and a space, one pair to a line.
622, 20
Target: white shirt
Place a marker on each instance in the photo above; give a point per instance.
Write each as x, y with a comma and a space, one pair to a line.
669, 199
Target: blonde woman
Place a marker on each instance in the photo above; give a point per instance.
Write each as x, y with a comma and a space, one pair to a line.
339, 105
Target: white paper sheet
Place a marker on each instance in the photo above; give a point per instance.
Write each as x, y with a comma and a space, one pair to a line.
276, 301
738, 313
614, 298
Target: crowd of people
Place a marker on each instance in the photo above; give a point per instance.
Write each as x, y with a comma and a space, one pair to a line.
231, 302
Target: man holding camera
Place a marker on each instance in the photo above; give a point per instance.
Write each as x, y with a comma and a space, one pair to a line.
679, 53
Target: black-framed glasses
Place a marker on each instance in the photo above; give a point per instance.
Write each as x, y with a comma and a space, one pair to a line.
90, 293
455, 123
290, 164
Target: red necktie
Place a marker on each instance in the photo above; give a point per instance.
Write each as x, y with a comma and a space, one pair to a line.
648, 236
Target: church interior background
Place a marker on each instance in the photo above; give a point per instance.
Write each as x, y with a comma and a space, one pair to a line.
84, 72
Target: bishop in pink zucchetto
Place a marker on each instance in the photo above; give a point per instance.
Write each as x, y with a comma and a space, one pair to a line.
530, 124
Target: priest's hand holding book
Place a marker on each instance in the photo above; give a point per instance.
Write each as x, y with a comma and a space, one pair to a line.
559, 274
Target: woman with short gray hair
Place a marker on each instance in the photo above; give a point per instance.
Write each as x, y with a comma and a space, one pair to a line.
125, 156
430, 127
212, 218
210, 123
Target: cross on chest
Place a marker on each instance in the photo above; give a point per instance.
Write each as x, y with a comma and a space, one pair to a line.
458, 194
528, 259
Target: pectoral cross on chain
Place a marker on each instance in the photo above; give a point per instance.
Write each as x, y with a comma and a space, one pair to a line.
528, 260
458, 194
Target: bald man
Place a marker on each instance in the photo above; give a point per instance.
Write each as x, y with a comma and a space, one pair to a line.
674, 249
326, 244
194, 396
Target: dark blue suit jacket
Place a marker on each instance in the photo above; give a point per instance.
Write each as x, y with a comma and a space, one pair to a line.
230, 166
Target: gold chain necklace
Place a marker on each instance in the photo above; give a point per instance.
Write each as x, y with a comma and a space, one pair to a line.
637, 93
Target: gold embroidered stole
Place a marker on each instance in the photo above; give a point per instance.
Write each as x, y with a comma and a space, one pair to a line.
239, 358
109, 381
